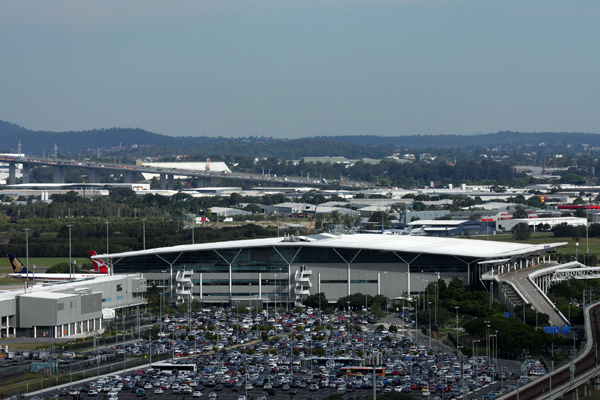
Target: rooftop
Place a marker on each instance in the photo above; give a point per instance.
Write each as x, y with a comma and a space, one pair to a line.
400, 243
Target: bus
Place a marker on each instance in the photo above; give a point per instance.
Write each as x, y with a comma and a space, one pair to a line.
361, 371
170, 368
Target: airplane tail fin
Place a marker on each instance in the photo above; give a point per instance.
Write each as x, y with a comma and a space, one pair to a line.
99, 266
16, 265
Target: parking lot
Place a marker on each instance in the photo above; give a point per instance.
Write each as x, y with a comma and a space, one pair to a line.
278, 355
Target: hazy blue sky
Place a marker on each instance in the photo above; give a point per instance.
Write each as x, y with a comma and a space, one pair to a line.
301, 68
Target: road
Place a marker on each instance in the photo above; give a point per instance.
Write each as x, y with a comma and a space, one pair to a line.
520, 280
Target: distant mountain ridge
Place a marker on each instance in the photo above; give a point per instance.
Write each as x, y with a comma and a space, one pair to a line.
353, 146
474, 141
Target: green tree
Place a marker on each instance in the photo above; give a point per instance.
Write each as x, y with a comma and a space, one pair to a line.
521, 231
316, 300
520, 213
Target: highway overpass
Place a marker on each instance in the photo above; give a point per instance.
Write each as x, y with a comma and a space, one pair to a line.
167, 175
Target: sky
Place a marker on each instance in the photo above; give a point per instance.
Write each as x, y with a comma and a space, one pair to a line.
292, 69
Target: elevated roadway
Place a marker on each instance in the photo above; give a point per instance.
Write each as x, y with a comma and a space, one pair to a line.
582, 373
167, 175
530, 294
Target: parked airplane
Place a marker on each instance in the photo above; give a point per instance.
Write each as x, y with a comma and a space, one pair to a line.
21, 271
99, 266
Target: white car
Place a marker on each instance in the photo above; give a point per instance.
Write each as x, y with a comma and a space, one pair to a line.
197, 393
158, 391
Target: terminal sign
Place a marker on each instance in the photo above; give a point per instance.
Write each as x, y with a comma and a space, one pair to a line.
551, 329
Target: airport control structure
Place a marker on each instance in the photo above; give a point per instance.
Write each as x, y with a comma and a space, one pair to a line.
285, 270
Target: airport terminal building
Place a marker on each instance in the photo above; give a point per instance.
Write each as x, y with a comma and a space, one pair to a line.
286, 270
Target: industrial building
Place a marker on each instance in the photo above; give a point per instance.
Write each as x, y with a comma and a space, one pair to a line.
287, 269
67, 309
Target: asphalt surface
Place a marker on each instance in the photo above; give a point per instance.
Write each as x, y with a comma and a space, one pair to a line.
511, 368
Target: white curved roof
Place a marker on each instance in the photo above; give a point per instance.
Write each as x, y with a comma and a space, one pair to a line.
402, 243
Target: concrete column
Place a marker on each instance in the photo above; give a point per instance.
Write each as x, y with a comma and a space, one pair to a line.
319, 283
163, 181
94, 175
259, 285
26, 173
12, 170
349, 279
58, 175
34, 332
200, 286
379, 283
247, 185
585, 389
129, 176
572, 395
170, 182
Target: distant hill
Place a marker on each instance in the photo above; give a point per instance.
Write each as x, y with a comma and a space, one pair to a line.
34, 142
507, 138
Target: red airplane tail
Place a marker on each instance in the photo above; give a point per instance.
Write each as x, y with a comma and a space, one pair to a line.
99, 266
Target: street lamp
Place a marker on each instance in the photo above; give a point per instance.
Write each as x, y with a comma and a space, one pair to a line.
27, 253
144, 231
387, 296
366, 289
162, 298
456, 307
429, 324
496, 347
473, 352
107, 223
486, 339
70, 262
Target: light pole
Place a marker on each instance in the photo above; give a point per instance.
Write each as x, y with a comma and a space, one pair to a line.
366, 289
429, 325
107, 223
487, 343
496, 354
161, 304
457, 307
52, 336
27, 253
473, 352
492, 344
387, 297
435, 307
144, 232
70, 262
